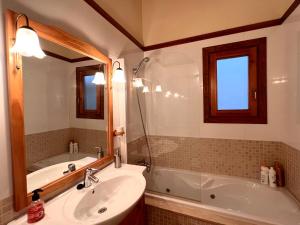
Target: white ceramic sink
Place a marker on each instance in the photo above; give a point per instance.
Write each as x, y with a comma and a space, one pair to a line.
104, 203
108, 202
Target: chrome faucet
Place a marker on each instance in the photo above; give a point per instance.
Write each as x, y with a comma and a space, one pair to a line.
100, 152
89, 177
143, 162
71, 168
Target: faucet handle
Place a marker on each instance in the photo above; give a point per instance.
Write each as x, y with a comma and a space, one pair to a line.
99, 148
91, 171
100, 152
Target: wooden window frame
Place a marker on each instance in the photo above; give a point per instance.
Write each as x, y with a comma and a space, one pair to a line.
81, 72
255, 49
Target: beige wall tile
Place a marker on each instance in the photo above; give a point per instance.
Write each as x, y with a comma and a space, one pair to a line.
157, 216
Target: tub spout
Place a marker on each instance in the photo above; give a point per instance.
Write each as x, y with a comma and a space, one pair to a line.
144, 163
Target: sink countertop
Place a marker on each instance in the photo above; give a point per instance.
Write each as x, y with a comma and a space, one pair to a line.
54, 207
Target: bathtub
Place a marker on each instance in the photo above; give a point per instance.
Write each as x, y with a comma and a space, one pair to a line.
223, 199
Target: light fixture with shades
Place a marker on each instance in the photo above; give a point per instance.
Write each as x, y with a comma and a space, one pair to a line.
138, 82
145, 89
27, 41
158, 88
118, 75
99, 78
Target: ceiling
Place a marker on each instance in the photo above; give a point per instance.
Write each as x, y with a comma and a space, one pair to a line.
157, 21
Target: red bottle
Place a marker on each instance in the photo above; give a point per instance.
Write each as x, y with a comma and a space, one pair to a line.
280, 179
35, 211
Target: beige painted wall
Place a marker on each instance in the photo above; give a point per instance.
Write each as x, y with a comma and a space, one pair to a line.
169, 20
179, 70
5, 175
128, 13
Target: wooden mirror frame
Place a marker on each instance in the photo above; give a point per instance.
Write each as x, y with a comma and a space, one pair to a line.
16, 108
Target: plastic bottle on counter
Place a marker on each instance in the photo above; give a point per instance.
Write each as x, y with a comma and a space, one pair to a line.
35, 211
71, 147
76, 147
272, 177
264, 175
280, 179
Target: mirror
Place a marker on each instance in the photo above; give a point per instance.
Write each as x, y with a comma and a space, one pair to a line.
64, 114
60, 121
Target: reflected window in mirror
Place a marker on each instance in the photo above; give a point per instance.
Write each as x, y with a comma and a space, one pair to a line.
89, 96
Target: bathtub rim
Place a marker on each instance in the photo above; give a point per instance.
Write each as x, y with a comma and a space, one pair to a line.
224, 216
245, 179
202, 211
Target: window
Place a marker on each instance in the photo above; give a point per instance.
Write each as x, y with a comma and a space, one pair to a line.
89, 96
234, 82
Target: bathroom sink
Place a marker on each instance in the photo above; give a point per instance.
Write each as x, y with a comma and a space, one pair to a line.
107, 202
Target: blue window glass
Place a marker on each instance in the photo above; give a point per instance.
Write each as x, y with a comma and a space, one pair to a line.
232, 83
90, 93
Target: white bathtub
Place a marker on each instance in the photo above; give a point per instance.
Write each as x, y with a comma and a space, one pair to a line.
239, 197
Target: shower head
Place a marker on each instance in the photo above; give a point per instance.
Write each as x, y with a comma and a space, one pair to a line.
137, 69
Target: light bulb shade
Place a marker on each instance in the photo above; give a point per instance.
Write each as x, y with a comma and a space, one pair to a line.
158, 88
119, 76
27, 43
145, 89
138, 82
99, 78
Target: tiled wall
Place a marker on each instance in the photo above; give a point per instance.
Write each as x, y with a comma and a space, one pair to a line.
291, 164
6, 211
89, 139
220, 156
40, 146
157, 216
241, 158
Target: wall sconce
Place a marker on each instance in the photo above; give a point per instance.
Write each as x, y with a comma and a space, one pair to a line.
138, 82
145, 89
118, 75
158, 88
27, 41
99, 78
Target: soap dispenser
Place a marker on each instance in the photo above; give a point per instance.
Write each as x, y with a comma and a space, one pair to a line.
35, 211
117, 158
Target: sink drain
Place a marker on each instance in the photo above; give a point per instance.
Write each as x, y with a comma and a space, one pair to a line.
102, 210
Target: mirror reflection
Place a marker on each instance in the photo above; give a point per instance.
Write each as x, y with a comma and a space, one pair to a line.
65, 113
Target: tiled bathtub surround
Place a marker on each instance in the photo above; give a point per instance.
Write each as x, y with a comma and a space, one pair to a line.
88, 139
220, 156
40, 146
291, 164
157, 216
241, 158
